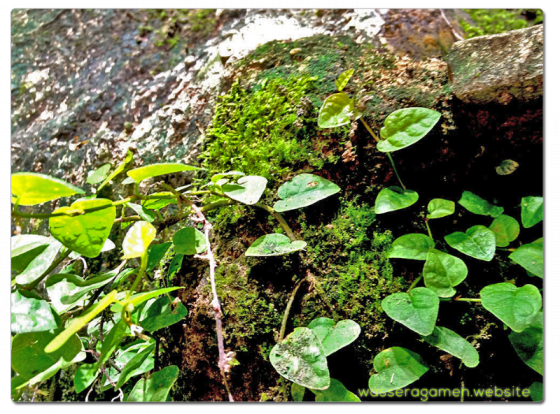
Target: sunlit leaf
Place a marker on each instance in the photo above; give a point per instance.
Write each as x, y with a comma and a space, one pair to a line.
248, 190
394, 198
154, 170
189, 241
396, 368
536, 390
217, 177
335, 393
156, 252
531, 211
454, 344
304, 190
156, 204
38, 265
30, 313
417, 309
143, 212
478, 242
405, 127
162, 314
97, 176
138, 239
334, 337
274, 245
297, 392
25, 248
343, 79
32, 188
337, 110
440, 207
506, 229
134, 365
156, 388
140, 298
478, 205
530, 257
413, 246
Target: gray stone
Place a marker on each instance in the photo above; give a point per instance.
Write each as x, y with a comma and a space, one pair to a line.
499, 68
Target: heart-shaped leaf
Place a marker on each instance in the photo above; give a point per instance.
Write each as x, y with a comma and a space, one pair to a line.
156, 252
156, 204
135, 365
248, 190
274, 245
156, 388
40, 263
417, 309
138, 239
405, 127
300, 358
442, 272
337, 110
396, 368
536, 390
189, 241
413, 246
440, 207
162, 314
516, 307
478, 205
454, 344
530, 256
394, 198
529, 344
334, 337
343, 79
478, 242
143, 212
335, 393
154, 170
84, 233
30, 313
506, 229
31, 188
304, 190
120, 168
84, 376
531, 211
97, 176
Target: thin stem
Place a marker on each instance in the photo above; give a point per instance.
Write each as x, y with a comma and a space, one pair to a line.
370, 130
395, 169
283, 223
53, 266
141, 272
414, 283
467, 300
428, 228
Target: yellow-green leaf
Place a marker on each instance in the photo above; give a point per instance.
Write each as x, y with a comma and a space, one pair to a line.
138, 239
31, 188
143, 173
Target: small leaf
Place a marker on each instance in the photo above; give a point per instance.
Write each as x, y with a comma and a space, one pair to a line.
337, 110
417, 309
156, 204
111, 342
396, 368
413, 246
84, 376
300, 358
531, 211
97, 176
506, 229
133, 365
25, 248
140, 298
406, 127
162, 314
454, 344
530, 257
248, 190
304, 190
154, 170
478, 242
478, 205
274, 245
138, 239
507, 167
536, 390
143, 212
516, 307
297, 392
335, 393
529, 344
156, 388
189, 241
394, 198
343, 79
156, 252
30, 314
39, 264
442, 272
217, 177
440, 207
32, 188
120, 168
334, 337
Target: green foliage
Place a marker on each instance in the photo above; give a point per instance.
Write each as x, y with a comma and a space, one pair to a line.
478, 242
394, 198
29, 189
440, 207
396, 368
162, 313
155, 170
30, 313
452, 343
334, 337
248, 189
506, 229
274, 245
530, 257
189, 241
495, 21
304, 190
531, 211
413, 246
417, 309
406, 127
335, 393
99, 175
478, 205
138, 239
343, 79
442, 272
337, 110
156, 388
529, 344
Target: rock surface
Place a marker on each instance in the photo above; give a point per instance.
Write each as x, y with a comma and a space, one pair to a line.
498, 68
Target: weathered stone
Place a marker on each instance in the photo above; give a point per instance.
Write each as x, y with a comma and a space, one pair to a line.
498, 68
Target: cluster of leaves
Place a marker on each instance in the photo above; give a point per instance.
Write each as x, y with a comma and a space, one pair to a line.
495, 21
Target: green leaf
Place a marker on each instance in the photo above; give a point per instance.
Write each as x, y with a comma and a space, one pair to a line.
516, 307
123, 356
454, 344
304, 190
405, 127
156, 388
530, 257
343, 79
134, 365
531, 211
440, 207
394, 198
84, 233
300, 358
478, 205
413, 246
154, 170
162, 314
156, 252
30, 314
156, 204
138, 239
396, 368
217, 177
112, 342
140, 298
144, 213
25, 248
274, 245
529, 344
189, 241
337, 110
248, 190
478, 242
506, 229
32, 188
536, 390
298, 392
417, 309
84, 377
442, 272
175, 266
39, 264
507, 167
122, 166
335, 393
97, 176
334, 337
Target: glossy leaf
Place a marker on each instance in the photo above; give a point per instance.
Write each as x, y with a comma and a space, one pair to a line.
138, 239
84, 376
394, 198
134, 365
516, 307
478, 205
396, 368
440, 207
478, 242
274, 245
337, 110
442, 272
140, 298
156, 252
417, 309
154, 170
334, 337
304, 190
111, 342
217, 177
25, 248
30, 313
335, 393
531, 211
120, 168
175, 266
84, 233
31, 188
38, 265
300, 358
343, 79
413, 246
454, 344
123, 357
536, 390
507, 167
156, 388
530, 257
97, 176
297, 391
156, 204
405, 127
248, 190
143, 212
506, 229
189, 241
529, 344
162, 314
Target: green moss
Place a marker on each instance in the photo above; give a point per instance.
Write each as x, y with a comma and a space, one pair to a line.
494, 21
